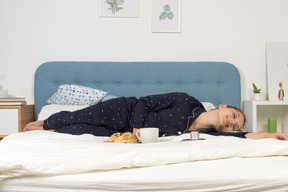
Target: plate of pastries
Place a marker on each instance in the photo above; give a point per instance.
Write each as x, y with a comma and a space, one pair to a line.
126, 137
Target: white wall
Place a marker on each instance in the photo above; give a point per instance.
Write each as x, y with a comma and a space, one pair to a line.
36, 31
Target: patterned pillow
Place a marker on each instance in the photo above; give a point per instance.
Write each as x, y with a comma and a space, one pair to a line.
76, 95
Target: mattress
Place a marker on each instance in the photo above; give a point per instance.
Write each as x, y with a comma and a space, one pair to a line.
234, 174
49, 161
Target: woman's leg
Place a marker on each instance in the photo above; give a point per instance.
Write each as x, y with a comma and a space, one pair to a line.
79, 129
112, 114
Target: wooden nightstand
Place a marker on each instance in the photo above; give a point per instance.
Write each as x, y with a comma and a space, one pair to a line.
14, 118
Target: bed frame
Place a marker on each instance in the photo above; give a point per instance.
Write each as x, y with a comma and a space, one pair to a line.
215, 82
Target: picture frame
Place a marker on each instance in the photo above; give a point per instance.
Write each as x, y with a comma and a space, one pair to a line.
119, 8
166, 16
277, 70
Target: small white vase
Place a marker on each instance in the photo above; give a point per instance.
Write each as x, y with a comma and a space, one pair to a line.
257, 96
3, 93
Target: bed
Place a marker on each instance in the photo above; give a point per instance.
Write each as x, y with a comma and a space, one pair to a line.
49, 161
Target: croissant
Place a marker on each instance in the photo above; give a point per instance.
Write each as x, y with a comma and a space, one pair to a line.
126, 137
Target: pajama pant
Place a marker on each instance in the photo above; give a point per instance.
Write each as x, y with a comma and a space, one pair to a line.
102, 119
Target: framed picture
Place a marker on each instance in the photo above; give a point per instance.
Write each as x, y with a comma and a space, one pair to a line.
166, 16
277, 70
118, 8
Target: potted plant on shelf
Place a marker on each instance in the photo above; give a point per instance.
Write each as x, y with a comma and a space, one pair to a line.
257, 92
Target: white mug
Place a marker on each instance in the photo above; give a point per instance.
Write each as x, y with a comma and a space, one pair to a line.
148, 134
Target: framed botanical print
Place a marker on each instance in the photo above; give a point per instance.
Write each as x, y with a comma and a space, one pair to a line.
119, 8
166, 16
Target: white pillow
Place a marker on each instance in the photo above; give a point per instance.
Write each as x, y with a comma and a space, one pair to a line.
76, 95
108, 97
208, 106
48, 110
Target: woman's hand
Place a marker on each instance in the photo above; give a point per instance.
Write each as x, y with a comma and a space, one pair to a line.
134, 131
262, 135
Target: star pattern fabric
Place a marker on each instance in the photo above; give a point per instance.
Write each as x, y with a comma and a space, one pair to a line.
172, 113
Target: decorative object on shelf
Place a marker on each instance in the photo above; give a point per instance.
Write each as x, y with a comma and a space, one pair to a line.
281, 92
118, 8
257, 93
272, 125
167, 16
3, 93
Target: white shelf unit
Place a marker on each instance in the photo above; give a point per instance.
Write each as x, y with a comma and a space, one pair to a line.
258, 112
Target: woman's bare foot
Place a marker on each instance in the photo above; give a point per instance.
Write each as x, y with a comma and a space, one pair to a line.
36, 125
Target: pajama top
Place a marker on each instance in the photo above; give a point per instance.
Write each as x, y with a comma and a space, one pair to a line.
172, 113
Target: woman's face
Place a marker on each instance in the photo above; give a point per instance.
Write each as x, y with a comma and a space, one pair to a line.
230, 119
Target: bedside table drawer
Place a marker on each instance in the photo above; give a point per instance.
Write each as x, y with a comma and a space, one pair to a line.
8, 121
14, 118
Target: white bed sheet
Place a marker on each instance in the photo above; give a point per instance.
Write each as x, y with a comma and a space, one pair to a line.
225, 175
49, 160
51, 153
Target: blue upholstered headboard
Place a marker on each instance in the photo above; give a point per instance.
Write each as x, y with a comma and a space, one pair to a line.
215, 82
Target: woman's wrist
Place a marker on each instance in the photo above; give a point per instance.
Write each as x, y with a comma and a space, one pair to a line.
262, 135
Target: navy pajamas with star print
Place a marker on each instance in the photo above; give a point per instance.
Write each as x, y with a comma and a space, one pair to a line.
102, 119
172, 113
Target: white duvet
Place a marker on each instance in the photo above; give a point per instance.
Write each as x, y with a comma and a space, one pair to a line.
50, 153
